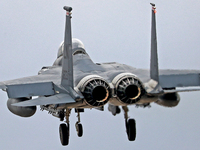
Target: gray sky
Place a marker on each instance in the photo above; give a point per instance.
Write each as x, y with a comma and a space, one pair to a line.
112, 31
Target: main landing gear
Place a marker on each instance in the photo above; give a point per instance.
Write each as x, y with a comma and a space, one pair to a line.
79, 128
64, 128
64, 134
130, 125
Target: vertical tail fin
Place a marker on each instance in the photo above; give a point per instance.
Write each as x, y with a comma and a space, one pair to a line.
67, 77
154, 72
153, 86
67, 62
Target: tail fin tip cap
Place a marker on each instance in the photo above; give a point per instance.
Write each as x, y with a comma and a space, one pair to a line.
152, 4
67, 8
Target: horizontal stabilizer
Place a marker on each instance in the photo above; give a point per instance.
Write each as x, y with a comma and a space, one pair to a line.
55, 99
179, 80
2, 86
29, 90
183, 89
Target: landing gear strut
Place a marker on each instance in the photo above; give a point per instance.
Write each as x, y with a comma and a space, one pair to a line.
130, 125
64, 128
78, 125
79, 129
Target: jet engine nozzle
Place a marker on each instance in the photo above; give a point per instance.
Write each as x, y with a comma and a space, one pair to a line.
95, 90
132, 91
128, 88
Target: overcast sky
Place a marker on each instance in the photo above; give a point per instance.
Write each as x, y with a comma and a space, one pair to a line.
112, 31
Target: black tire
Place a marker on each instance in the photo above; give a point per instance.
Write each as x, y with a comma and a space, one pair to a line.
80, 130
118, 110
64, 134
131, 129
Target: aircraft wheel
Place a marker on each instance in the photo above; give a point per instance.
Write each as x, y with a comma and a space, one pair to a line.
118, 110
79, 129
131, 129
64, 134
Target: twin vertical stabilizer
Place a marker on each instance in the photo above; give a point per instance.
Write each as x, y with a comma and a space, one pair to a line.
154, 73
67, 76
67, 62
67, 80
153, 84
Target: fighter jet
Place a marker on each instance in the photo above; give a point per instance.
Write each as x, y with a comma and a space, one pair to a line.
76, 82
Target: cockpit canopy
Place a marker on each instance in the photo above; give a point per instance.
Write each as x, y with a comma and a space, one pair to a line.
77, 48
